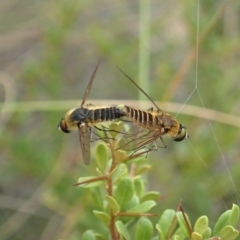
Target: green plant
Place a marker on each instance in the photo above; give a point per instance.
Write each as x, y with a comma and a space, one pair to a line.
122, 202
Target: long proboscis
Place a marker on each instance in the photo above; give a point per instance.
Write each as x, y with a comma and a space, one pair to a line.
89, 86
140, 89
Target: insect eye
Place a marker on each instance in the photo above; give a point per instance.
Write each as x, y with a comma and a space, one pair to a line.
63, 126
182, 134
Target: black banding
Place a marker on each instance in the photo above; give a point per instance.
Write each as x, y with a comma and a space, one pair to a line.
144, 116
110, 113
95, 115
113, 113
140, 115
150, 117
128, 111
135, 114
103, 114
131, 113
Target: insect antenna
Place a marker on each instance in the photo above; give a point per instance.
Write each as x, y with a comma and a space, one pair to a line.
89, 86
140, 89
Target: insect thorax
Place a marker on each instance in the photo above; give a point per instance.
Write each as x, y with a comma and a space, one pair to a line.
170, 124
79, 115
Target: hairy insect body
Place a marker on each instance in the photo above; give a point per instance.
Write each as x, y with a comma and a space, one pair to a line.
90, 116
156, 121
84, 118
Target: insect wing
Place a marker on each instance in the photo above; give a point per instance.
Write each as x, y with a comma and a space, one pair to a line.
137, 137
89, 86
84, 138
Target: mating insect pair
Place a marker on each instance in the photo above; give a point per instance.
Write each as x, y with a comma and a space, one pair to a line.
154, 123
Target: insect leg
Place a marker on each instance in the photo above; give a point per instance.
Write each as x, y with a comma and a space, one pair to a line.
152, 147
90, 105
105, 139
93, 139
164, 145
105, 129
150, 109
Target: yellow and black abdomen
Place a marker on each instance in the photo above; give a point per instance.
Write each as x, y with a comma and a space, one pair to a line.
154, 121
103, 114
145, 119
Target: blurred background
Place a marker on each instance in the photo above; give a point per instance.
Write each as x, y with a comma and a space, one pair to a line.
48, 50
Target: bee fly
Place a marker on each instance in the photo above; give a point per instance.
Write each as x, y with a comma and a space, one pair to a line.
83, 118
156, 122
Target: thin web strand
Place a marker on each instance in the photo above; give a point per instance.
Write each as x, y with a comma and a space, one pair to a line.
197, 44
196, 63
201, 100
220, 150
196, 89
211, 176
209, 122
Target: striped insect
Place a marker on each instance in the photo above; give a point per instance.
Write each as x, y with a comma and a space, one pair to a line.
154, 124
85, 117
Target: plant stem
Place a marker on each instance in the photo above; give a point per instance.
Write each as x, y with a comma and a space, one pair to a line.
114, 233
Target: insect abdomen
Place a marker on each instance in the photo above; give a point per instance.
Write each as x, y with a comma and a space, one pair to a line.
143, 118
104, 114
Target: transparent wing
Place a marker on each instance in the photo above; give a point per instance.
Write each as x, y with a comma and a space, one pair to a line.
89, 86
84, 138
137, 137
